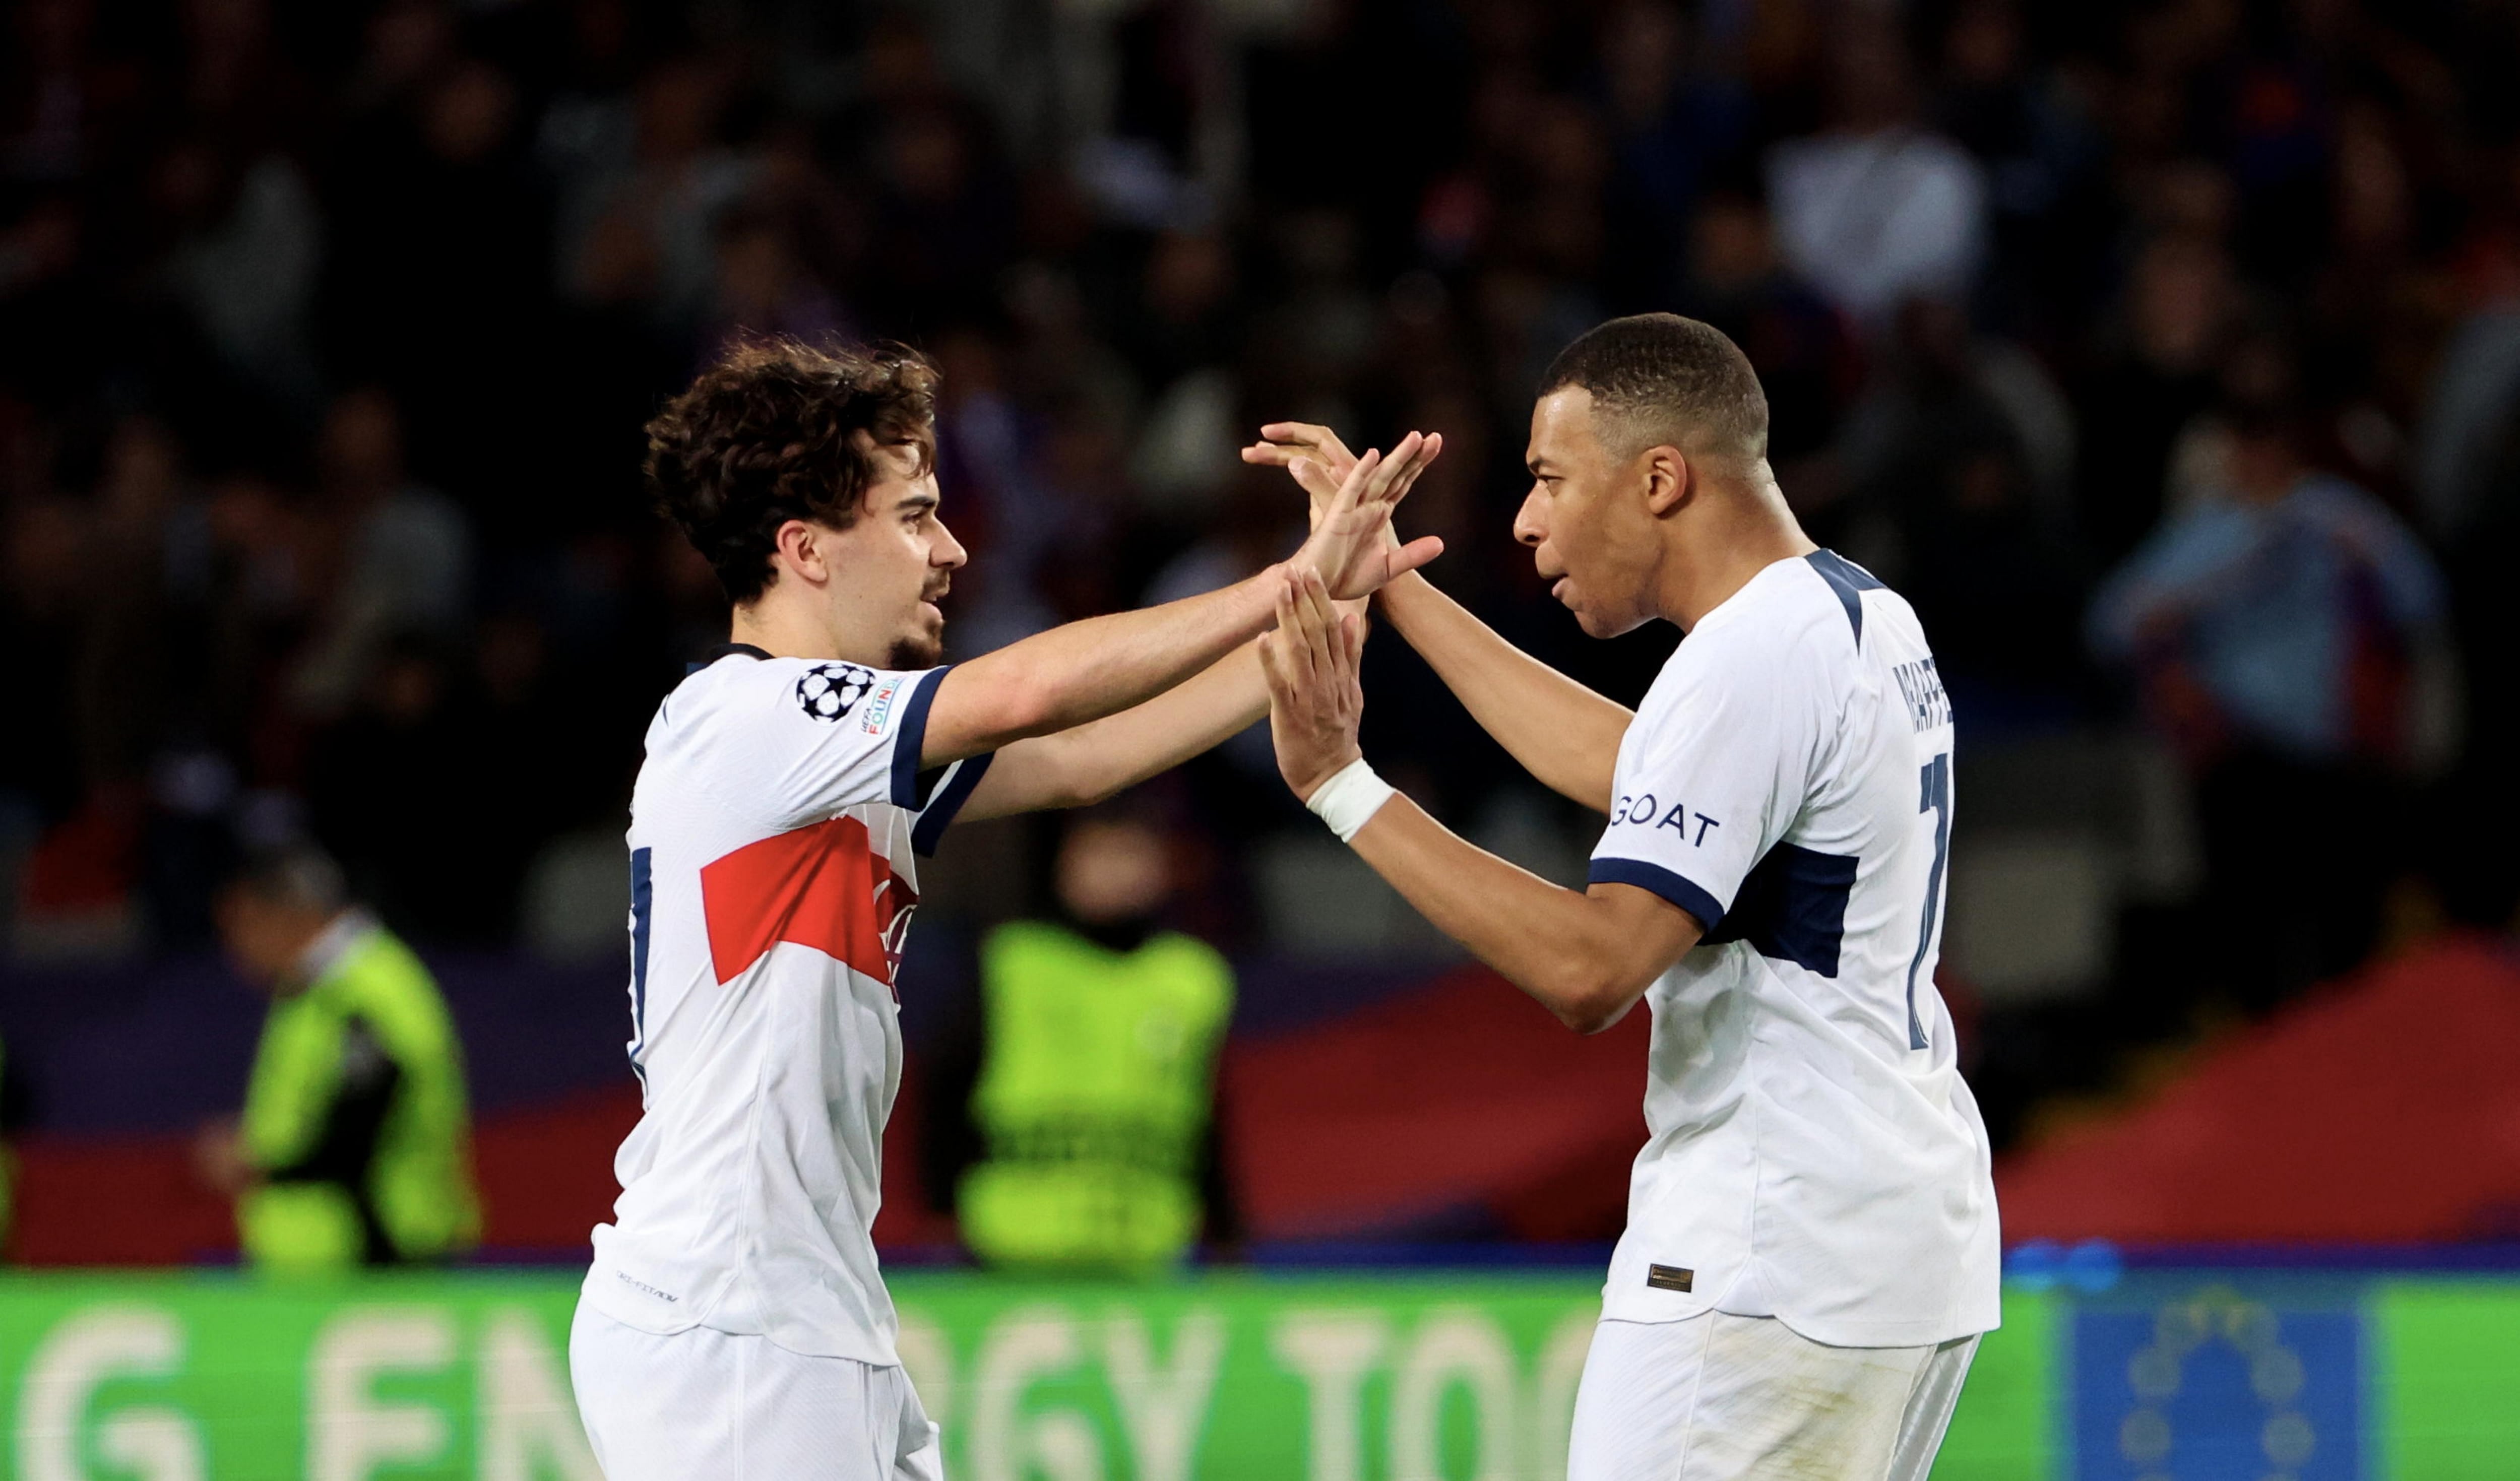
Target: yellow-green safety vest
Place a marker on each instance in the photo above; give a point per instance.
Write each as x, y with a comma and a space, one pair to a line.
417, 1199
1094, 1095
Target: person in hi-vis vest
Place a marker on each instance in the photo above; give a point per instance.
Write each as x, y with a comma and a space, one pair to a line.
1095, 1099
355, 1144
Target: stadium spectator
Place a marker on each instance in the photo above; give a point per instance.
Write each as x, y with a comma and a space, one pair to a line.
354, 1145
650, 241
2031, 127
245, 265
437, 291
1799, 343
1957, 462
1096, 1087
1877, 209
2281, 630
406, 552
1676, 125
2152, 377
413, 850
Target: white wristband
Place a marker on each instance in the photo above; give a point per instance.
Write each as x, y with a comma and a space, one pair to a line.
1349, 799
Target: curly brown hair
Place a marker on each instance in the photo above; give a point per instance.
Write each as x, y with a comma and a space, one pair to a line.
768, 435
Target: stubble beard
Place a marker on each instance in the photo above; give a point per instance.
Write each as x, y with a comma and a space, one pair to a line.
920, 648
916, 652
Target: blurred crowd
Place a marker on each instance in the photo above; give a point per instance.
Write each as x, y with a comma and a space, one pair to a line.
2164, 355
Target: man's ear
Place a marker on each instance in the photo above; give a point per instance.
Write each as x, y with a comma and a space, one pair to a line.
1667, 475
800, 544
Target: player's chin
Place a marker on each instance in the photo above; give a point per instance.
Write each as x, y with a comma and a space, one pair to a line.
1596, 623
1569, 598
923, 647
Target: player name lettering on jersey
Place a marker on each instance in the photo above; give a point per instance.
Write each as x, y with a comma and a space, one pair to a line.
1928, 707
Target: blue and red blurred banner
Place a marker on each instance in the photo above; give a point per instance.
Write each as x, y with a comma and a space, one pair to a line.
1401, 1106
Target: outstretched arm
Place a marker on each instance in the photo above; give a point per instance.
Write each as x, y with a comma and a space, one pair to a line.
1586, 956
1084, 671
1078, 767
1082, 766
1566, 736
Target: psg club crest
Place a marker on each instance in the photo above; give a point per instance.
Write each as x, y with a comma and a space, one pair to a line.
827, 691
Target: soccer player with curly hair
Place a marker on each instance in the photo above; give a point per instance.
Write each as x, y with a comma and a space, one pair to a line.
733, 1322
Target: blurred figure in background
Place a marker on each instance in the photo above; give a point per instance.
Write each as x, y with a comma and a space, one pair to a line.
1957, 462
2284, 630
2148, 383
355, 1146
1877, 209
405, 557
1097, 1086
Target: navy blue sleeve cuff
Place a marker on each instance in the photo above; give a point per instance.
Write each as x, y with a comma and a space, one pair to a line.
939, 813
1655, 879
913, 738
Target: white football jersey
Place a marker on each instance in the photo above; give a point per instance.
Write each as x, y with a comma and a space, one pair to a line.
772, 881
1812, 1153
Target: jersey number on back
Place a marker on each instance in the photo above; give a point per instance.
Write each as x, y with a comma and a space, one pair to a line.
1936, 788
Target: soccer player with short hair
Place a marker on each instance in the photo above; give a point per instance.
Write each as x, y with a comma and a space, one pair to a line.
733, 1322
1811, 1252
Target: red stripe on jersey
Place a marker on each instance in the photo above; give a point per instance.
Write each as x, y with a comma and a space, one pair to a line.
823, 886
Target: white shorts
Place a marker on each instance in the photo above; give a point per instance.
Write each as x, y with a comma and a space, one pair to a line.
705, 1403
1719, 1396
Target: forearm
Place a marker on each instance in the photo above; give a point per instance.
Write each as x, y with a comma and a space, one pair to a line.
1117, 752
1078, 767
1083, 671
1563, 734
1587, 958
1545, 939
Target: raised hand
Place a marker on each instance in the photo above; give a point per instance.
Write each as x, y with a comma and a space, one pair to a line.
1316, 701
1318, 460
1351, 547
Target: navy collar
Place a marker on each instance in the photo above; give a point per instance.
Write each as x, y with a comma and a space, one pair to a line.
723, 649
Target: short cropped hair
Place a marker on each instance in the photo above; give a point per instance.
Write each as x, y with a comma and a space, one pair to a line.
1668, 380
296, 874
768, 435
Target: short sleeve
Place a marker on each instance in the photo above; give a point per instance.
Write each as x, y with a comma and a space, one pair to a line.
810, 739
1713, 782
940, 793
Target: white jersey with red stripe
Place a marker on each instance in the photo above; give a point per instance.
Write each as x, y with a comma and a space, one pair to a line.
772, 837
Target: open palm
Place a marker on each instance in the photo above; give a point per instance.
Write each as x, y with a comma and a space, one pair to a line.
1352, 545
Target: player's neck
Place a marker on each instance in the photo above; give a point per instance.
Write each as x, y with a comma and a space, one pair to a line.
794, 630
1740, 536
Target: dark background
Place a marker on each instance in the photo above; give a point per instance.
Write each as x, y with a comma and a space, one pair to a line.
326, 332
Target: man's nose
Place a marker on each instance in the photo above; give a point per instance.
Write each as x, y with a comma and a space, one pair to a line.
947, 552
1528, 525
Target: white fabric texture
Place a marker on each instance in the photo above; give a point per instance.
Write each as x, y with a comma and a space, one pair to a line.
1811, 1151
773, 833
1349, 799
702, 1402
1719, 1397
